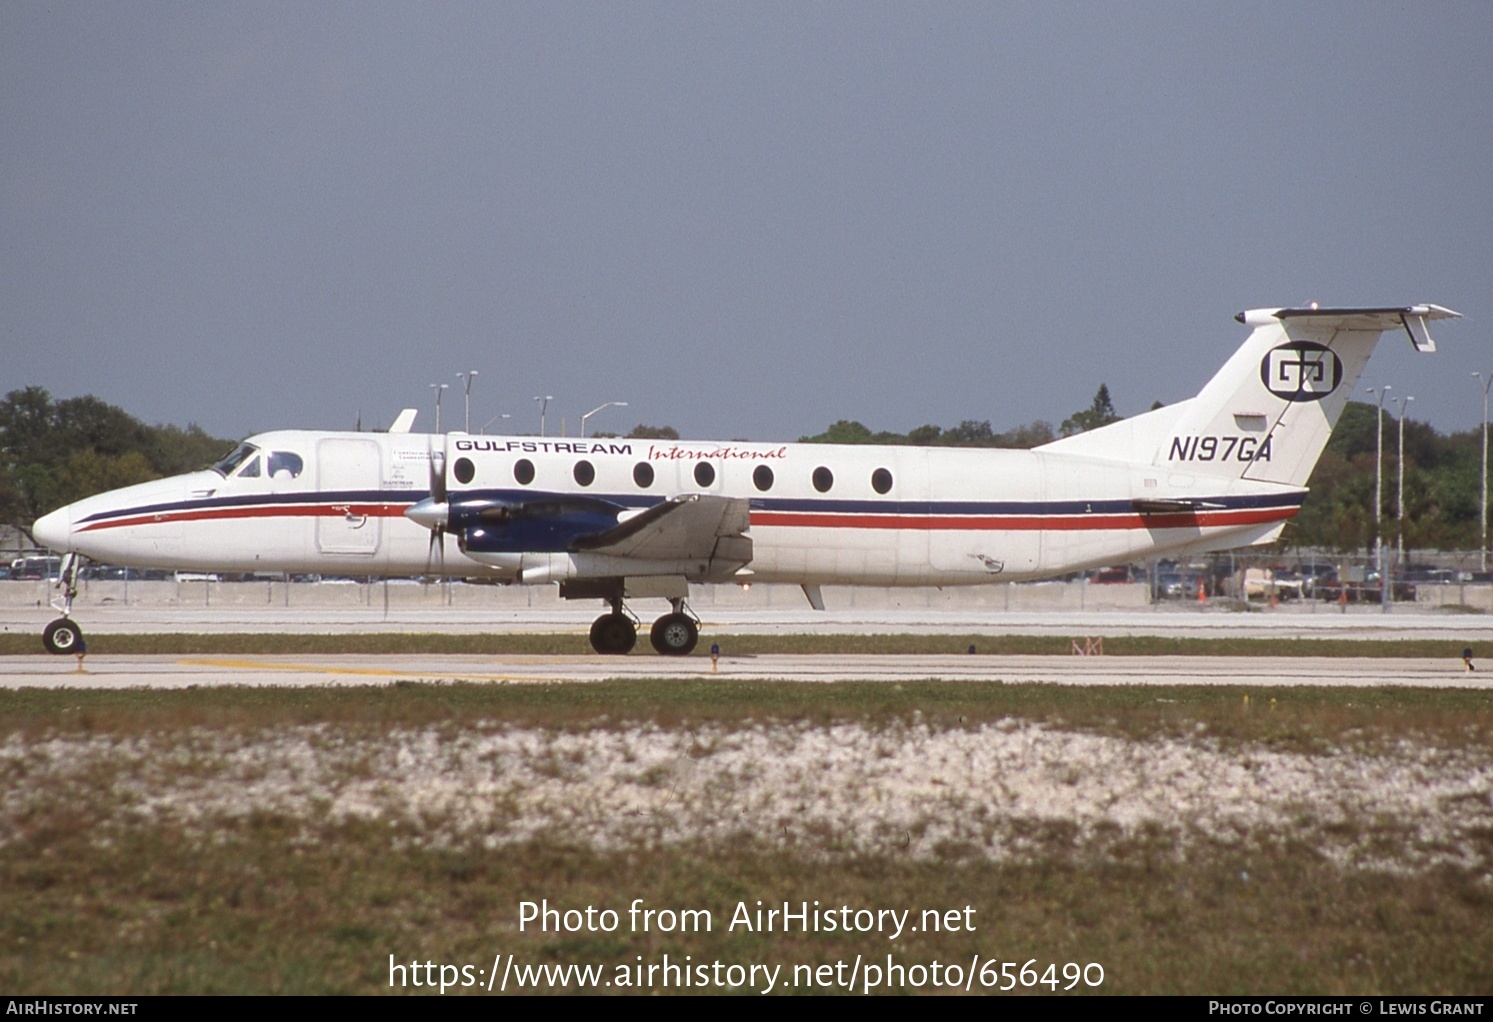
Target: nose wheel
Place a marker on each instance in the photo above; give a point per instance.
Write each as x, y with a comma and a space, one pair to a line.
63, 636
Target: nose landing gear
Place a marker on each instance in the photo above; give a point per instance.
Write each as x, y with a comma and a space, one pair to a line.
63, 636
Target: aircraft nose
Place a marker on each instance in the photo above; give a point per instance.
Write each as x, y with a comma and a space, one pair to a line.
54, 531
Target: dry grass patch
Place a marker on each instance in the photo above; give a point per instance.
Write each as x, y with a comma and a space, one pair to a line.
254, 840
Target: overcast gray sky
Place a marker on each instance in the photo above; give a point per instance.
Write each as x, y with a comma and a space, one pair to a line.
744, 219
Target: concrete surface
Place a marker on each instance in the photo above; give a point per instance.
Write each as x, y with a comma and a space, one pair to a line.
1265, 672
1070, 609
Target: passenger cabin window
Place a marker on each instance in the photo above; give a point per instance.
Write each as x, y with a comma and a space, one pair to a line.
762, 478
642, 474
704, 473
881, 480
585, 473
464, 470
823, 479
284, 465
523, 471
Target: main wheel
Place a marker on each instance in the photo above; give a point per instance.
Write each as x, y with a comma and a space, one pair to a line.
674, 634
613, 634
63, 636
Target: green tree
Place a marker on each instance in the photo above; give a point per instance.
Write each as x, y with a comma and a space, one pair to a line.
969, 433
1033, 434
846, 431
642, 432
174, 450
55, 452
1100, 413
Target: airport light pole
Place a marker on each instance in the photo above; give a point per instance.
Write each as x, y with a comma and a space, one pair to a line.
544, 403
1482, 554
438, 387
1383, 392
1400, 495
494, 419
468, 377
609, 404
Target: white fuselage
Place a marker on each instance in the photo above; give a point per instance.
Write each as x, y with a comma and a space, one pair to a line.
335, 503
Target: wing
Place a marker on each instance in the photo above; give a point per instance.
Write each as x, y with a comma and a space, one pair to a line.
692, 526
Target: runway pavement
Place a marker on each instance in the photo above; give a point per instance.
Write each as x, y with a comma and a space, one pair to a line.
186, 671
1315, 622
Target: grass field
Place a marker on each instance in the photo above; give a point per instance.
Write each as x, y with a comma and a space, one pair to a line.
1187, 840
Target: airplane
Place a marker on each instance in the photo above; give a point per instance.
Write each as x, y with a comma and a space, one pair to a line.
618, 520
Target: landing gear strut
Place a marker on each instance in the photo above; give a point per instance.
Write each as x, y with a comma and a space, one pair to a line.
614, 633
63, 635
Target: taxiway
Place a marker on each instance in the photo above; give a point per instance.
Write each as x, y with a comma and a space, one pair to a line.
118, 671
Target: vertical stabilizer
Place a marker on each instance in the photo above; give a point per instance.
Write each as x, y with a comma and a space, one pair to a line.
1268, 412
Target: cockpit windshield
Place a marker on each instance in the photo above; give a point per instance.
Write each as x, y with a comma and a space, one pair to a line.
235, 458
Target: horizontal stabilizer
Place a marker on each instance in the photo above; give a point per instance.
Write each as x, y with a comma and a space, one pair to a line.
1414, 319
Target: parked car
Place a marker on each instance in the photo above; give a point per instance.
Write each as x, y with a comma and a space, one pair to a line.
1177, 585
1332, 588
35, 568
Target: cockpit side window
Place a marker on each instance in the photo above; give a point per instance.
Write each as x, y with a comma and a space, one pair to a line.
235, 458
284, 465
250, 469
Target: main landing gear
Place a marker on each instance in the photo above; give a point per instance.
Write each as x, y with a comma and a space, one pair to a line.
674, 634
63, 636
615, 632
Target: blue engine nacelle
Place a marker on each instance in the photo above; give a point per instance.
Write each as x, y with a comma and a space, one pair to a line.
536, 525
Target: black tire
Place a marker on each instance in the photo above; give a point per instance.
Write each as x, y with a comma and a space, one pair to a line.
674, 635
613, 634
63, 636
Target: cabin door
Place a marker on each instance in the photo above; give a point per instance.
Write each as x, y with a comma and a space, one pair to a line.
348, 475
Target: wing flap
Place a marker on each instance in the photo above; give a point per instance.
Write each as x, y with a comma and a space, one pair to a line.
692, 526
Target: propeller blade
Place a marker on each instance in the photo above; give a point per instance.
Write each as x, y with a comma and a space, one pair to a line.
433, 512
437, 543
438, 476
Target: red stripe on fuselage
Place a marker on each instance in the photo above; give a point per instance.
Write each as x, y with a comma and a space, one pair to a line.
1022, 523
256, 511
781, 519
